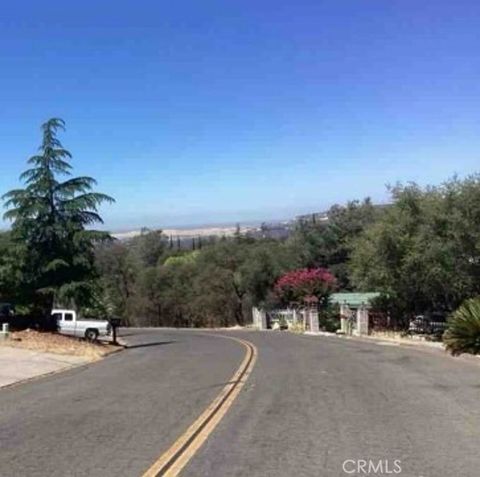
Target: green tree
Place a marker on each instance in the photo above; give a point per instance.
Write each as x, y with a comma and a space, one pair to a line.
149, 247
329, 243
8, 270
424, 252
266, 261
219, 284
118, 271
51, 220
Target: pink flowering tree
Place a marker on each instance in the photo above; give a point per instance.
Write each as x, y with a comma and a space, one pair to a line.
308, 286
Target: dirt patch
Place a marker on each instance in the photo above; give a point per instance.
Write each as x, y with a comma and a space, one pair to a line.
59, 344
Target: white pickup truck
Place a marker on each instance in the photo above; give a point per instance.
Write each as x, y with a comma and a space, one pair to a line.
70, 324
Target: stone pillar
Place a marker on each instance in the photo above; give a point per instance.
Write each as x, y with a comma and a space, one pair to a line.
5, 332
362, 320
259, 319
313, 320
304, 319
255, 317
344, 317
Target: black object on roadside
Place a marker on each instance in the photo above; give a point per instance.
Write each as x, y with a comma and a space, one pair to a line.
115, 322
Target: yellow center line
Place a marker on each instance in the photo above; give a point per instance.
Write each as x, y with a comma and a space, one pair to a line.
171, 463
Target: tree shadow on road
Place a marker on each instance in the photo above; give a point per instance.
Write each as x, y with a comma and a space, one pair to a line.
147, 345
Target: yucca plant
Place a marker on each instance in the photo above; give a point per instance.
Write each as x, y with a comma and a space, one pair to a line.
463, 333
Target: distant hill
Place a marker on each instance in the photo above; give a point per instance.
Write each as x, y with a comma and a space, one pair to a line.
188, 233
274, 229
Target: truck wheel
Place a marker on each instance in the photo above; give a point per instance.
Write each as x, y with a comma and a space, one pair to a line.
91, 335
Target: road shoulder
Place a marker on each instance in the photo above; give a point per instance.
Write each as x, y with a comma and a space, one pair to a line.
20, 365
382, 340
30, 355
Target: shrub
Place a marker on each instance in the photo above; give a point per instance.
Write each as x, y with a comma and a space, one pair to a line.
296, 327
329, 319
463, 333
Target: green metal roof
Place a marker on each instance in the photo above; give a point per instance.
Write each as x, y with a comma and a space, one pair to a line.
353, 299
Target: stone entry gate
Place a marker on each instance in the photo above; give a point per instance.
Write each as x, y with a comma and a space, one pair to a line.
354, 311
306, 318
354, 314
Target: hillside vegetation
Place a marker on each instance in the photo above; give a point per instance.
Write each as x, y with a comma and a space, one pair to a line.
422, 253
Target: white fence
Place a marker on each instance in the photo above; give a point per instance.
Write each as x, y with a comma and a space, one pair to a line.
352, 321
306, 319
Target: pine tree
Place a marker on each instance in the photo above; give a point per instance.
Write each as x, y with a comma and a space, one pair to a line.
50, 219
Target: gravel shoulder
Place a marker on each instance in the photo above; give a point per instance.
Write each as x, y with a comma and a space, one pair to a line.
18, 365
29, 354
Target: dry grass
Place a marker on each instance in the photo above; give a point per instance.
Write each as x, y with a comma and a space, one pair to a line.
59, 344
402, 335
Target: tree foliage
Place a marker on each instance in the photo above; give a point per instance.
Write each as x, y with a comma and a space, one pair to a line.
329, 243
218, 284
53, 244
424, 252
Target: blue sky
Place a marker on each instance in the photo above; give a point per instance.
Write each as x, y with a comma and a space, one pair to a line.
194, 112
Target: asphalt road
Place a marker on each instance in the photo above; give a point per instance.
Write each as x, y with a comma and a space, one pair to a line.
313, 406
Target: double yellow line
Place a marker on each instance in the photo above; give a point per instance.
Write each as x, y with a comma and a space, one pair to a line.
171, 463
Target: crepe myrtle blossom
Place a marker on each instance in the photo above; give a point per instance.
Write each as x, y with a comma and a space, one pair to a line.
308, 285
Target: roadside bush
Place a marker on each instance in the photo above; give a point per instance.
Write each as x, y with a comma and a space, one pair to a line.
296, 327
463, 333
329, 319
